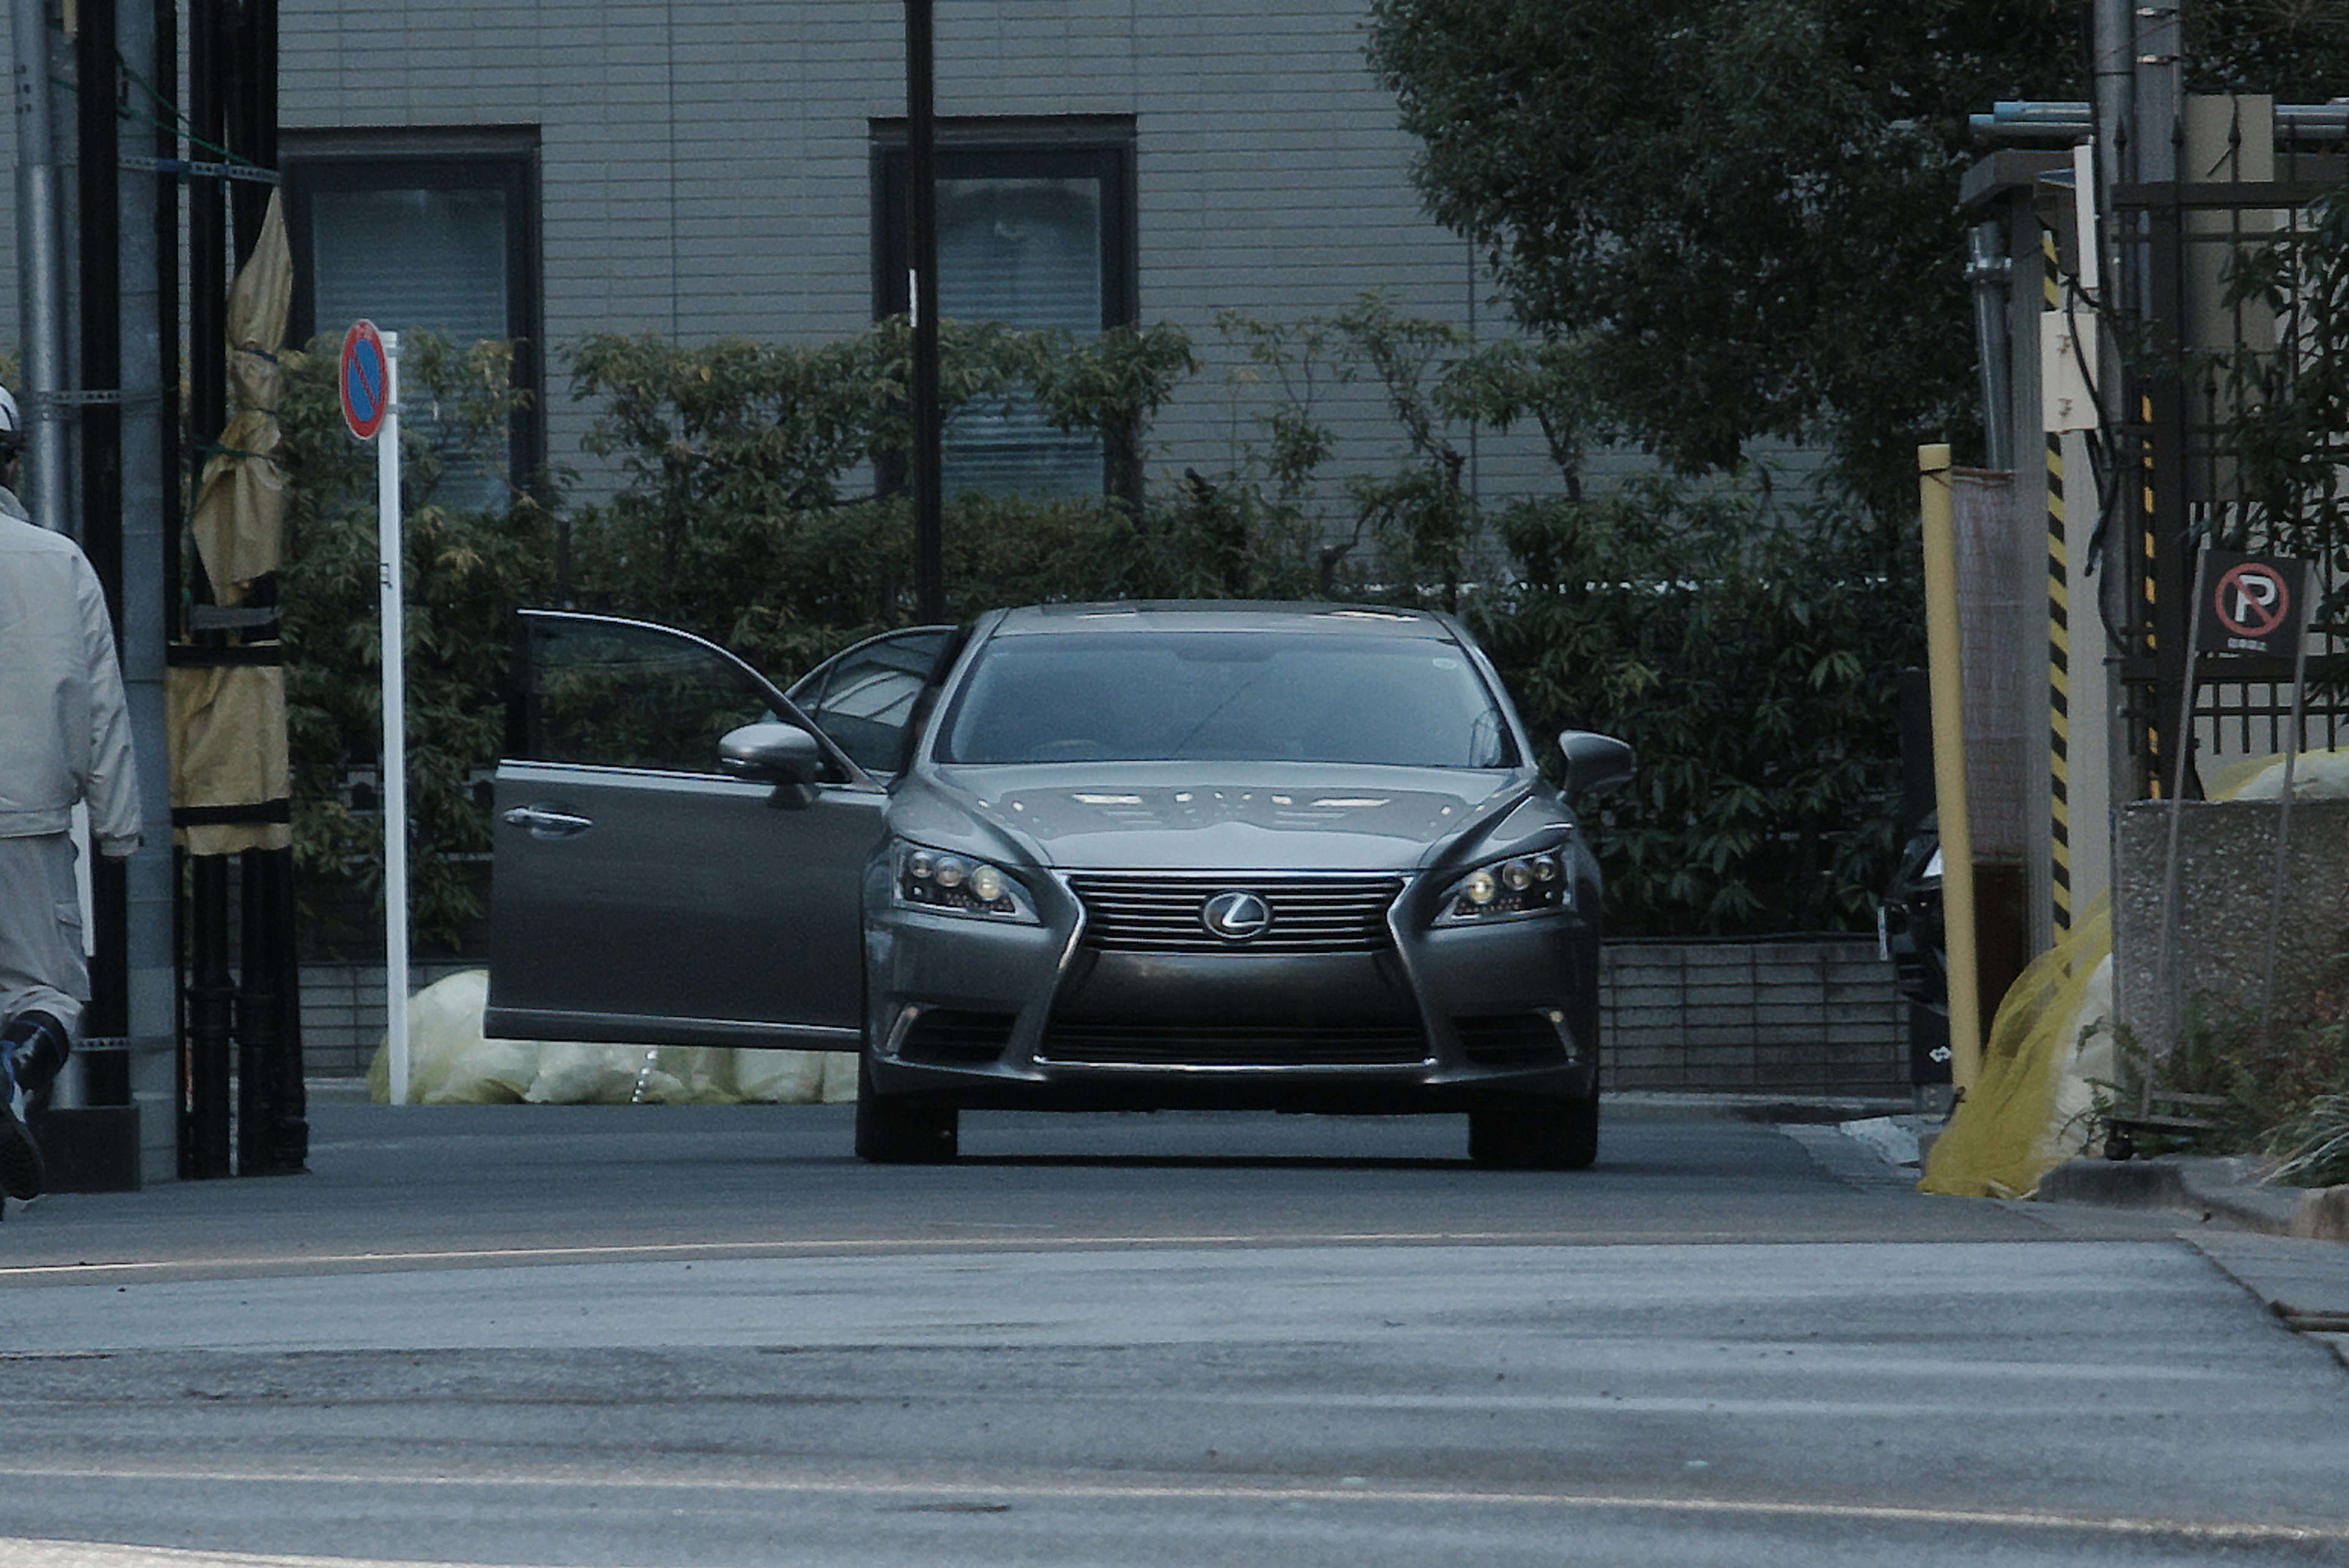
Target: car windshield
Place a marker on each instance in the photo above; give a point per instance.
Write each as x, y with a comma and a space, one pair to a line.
1225, 696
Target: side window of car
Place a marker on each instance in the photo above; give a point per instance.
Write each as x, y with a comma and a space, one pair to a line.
867, 699
630, 697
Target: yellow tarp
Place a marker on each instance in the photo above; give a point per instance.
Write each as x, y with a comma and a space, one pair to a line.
2006, 1134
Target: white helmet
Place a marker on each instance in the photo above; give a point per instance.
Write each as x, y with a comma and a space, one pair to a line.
12, 426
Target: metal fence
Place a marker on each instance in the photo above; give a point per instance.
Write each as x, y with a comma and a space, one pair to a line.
2204, 353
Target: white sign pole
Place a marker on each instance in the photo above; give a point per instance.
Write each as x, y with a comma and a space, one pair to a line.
395, 724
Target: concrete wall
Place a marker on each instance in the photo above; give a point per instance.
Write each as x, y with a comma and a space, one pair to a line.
1810, 1017
2226, 874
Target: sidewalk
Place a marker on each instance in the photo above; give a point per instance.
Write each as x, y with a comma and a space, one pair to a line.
2268, 1239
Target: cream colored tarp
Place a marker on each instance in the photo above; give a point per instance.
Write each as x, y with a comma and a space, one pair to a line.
451, 1063
240, 515
2051, 1047
228, 749
228, 723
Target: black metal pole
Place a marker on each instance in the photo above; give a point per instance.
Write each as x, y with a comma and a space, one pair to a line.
100, 287
922, 260
206, 1139
210, 1002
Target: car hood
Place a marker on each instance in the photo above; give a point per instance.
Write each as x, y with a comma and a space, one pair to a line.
1257, 815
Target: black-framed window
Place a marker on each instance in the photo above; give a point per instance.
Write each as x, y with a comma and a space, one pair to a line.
1035, 230
425, 233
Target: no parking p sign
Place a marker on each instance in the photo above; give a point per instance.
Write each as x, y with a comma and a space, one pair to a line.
365, 380
2251, 604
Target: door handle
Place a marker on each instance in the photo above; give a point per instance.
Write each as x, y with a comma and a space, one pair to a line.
545, 822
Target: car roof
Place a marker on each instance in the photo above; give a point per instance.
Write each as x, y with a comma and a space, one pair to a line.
1221, 615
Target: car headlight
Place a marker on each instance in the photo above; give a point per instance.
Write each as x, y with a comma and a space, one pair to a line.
1514, 888
950, 883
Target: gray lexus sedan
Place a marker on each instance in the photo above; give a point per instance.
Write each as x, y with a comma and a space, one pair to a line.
1075, 856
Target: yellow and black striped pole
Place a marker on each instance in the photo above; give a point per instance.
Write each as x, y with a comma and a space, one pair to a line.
2059, 648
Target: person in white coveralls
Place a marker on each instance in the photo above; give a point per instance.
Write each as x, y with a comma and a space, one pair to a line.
65, 739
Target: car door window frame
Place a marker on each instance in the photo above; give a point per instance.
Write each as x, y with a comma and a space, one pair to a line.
815, 686
518, 726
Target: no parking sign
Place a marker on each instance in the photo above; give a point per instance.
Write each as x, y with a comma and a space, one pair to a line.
2251, 604
366, 381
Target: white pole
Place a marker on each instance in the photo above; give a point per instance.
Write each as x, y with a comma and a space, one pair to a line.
395, 724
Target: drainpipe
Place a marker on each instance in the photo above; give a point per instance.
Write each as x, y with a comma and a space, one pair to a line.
39, 305
1988, 269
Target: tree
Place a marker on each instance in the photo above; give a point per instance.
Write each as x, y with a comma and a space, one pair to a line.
1748, 205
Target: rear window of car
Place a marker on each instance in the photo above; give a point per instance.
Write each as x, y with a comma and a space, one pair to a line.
1225, 696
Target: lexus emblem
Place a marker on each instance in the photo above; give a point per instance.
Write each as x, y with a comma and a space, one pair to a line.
1236, 916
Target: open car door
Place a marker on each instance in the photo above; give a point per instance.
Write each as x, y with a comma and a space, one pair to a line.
641, 894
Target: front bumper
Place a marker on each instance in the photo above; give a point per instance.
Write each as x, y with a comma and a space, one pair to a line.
987, 1014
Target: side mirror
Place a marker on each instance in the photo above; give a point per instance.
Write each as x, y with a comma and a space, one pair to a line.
1595, 761
771, 752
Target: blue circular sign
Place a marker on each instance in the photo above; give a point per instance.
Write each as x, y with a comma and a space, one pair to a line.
365, 381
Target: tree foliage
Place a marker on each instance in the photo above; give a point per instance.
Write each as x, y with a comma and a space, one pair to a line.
1745, 654
1749, 204
466, 568
2287, 427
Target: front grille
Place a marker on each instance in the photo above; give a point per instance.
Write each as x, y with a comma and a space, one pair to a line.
1509, 1039
1146, 912
948, 1035
1236, 1044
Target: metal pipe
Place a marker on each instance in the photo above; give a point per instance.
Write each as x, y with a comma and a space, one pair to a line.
2065, 120
1937, 506
151, 910
39, 304
1988, 269
390, 558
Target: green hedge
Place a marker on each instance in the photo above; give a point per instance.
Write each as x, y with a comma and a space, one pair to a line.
1749, 651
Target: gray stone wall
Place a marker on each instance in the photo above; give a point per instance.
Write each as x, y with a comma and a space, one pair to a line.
1813, 1016
2226, 878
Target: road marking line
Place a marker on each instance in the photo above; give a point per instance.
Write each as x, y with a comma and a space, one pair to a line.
307, 1262
1081, 1491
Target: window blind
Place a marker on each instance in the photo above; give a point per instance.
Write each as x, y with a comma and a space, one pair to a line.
1026, 253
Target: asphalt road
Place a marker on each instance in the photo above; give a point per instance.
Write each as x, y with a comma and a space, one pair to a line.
664, 1336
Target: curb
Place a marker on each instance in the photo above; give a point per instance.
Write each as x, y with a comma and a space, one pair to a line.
1667, 1105
2211, 1188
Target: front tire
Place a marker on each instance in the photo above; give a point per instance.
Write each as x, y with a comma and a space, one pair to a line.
892, 1130
1536, 1133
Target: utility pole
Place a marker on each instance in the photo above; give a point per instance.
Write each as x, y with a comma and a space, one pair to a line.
2134, 73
